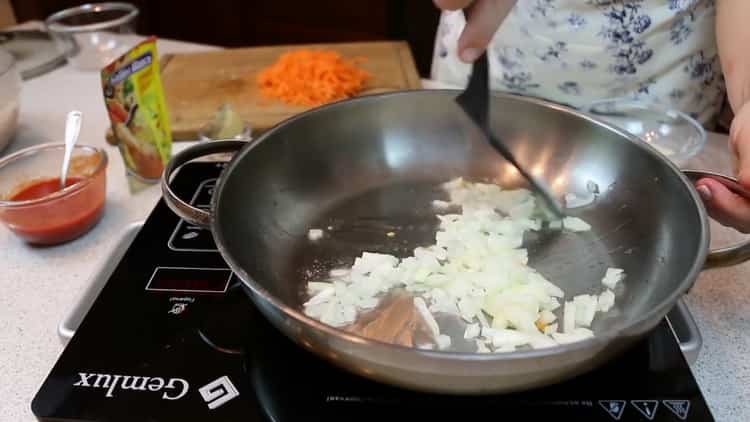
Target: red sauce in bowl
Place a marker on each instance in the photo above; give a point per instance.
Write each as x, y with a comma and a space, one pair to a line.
41, 188
36, 209
60, 218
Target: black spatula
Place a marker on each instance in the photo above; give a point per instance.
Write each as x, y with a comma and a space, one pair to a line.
475, 102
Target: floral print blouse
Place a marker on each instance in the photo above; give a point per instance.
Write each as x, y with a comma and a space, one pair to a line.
578, 51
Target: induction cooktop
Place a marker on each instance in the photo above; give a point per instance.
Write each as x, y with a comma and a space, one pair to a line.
172, 336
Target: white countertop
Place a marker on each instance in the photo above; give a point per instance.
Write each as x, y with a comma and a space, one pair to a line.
40, 285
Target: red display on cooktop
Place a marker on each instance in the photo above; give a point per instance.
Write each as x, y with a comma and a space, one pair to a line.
189, 280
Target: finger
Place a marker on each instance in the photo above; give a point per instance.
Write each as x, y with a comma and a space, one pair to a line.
725, 206
452, 4
739, 141
484, 20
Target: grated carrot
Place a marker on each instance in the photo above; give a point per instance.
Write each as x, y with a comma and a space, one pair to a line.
311, 78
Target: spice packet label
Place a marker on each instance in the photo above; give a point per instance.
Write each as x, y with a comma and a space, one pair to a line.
134, 97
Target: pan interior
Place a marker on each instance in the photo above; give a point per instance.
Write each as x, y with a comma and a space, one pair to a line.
371, 166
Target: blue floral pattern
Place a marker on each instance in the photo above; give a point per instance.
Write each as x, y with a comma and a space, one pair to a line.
578, 51
554, 54
682, 27
676, 94
680, 4
645, 87
587, 64
680, 30
515, 77
576, 21
570, 88
542, 8
518, 82
625, 22
704, 70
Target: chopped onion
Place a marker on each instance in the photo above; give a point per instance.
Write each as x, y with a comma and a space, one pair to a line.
443, 341
571, 337
482, 347
482, 319
569, 317
337, 273
314, 234
322, 296
540, 341
441, 205
315, 287
370, 261
612, 277
477, 270
551, 304
507, 338
575, 224
547, 317
472, 331
427, 317
556, 224
586, 306
606, 301
454, 184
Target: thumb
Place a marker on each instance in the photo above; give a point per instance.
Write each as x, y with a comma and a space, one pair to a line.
483, 21
725, 206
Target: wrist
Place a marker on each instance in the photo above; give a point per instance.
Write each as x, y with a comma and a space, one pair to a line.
738, 88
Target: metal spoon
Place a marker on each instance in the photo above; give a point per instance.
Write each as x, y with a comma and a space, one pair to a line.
72, 130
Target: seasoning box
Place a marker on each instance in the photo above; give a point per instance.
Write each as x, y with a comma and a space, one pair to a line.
134, 98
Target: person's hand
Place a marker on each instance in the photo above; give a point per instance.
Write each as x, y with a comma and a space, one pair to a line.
484, 19
725, 206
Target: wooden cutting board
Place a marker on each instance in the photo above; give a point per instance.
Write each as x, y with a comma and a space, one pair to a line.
197, 84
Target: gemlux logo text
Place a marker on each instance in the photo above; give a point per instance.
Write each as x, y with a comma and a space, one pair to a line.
171, 389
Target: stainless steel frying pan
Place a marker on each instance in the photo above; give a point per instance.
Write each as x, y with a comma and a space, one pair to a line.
370, 165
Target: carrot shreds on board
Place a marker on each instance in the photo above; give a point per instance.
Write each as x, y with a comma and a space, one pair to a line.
311, 78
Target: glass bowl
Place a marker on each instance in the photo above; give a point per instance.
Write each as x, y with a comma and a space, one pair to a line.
94, 35
10, 90
673, 133
34, 207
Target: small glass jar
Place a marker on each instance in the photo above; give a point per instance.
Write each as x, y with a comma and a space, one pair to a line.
33, 206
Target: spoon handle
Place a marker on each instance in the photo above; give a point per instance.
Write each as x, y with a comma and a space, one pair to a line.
72, 129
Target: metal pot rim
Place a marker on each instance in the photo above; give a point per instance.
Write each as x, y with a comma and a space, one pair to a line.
655, 314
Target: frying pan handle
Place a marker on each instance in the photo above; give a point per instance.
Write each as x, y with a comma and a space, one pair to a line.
186, 211
732, 255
